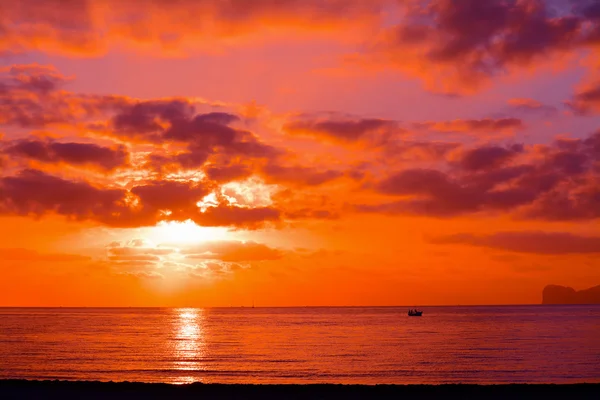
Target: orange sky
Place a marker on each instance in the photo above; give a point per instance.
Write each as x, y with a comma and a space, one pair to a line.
315, 152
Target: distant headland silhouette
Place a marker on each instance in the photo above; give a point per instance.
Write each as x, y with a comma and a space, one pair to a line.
555, 294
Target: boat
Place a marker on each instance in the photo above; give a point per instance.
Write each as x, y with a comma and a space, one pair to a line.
414, 313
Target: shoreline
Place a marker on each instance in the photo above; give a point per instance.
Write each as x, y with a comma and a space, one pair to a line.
62, 389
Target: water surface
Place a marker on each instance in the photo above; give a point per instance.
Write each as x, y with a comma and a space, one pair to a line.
507, 344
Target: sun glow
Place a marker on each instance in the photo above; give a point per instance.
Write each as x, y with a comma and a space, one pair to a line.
184, 232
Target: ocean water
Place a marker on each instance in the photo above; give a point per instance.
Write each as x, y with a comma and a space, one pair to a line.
369, 345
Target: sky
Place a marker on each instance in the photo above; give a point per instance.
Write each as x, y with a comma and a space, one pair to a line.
297, 152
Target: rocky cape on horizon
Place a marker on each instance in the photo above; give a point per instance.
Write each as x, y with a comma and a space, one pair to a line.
556, 294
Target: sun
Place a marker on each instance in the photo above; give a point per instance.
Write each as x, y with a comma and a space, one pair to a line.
184, 232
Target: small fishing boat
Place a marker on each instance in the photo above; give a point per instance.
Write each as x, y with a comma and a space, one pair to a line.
414, 313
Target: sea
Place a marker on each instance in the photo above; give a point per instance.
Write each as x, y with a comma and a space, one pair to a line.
349, 345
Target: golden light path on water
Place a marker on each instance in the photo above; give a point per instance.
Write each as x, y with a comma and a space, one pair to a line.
190, 343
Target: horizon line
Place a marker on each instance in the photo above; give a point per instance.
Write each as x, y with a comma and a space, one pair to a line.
321, 306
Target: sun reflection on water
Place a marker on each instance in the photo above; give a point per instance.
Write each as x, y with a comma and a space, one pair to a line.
190, 345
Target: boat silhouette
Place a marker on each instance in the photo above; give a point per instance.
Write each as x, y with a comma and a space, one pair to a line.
414, 313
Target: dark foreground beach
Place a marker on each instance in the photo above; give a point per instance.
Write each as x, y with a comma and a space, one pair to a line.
22, 389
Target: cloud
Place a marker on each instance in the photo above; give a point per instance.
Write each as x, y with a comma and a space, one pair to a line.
136, 252
179, 198
232, 251
474, 126
487, 157
342, 130
577, 195
298, 175
201, 134
586, 100
206, 260
183, 151
435, 40
228, 173
213, 269
527, 242
305, 205
431, 192
194, 136
415, 181
183, 138
25, 96
410, 150
434, 193
144, 120
560, 182
310, 213
89, 27
567, 202
139, 257
239, 217
532, 106
20, 254
457, 47
32, 96
34, 192
72, 153
143, 274
36, 78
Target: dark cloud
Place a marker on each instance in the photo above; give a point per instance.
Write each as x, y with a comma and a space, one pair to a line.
77, 154
586, 101
488, 157
228, 173
454, 45
298, 175
39, 79
202, 135
33, 192
432, 193
569, 201
407, 150
416, 181
342, 130
527, 242
310, 213
31, 96
173, 120
211, 127
196, 137
569, 162
458, 45
560, 185
435, 193
239, 217
144, 121
574, 156
178, 197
